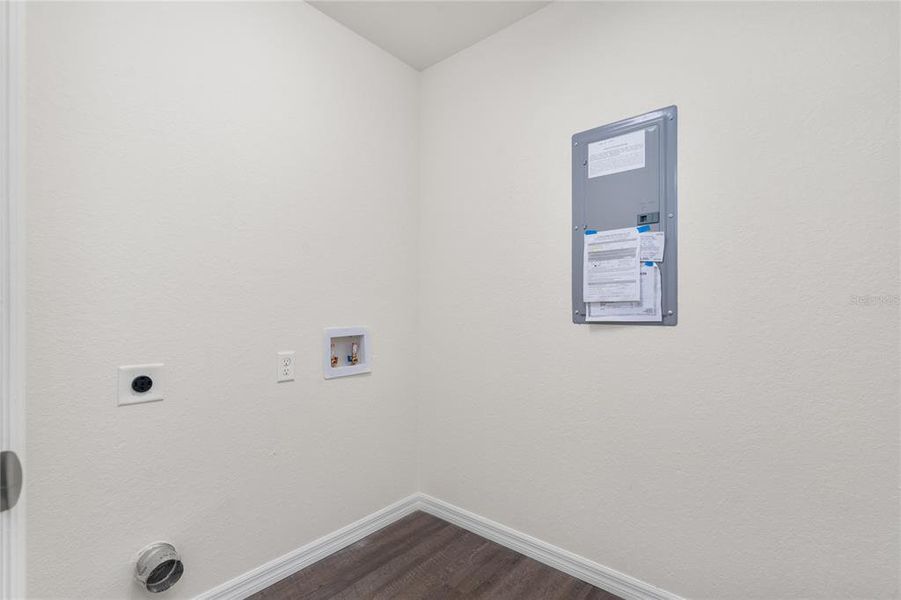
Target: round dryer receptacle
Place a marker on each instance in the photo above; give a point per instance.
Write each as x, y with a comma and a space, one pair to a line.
141, 384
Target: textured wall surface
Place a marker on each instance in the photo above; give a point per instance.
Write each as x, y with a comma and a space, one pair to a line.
210, 184
751, 451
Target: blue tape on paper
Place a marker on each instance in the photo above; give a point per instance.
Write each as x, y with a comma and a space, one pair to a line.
649, 263
590, 231
643, 228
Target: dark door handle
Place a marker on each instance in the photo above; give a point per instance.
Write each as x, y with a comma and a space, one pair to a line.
10, 479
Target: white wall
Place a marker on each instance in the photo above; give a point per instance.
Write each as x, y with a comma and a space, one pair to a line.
751, 451
210, 184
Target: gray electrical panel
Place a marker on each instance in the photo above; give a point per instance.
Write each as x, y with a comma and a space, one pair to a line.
624, 175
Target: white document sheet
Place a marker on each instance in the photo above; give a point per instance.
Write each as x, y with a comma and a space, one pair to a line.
647, 309
611, 267
618, 154
652, 245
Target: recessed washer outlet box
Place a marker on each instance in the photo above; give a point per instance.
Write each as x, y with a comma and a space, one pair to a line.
347, 351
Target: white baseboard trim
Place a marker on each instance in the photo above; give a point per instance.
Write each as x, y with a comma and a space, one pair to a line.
598, 575
275, 570
591, 572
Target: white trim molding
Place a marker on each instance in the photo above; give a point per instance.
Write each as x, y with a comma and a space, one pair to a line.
591, 572
262, 577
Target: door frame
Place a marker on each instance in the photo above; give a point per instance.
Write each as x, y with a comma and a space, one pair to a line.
12, 284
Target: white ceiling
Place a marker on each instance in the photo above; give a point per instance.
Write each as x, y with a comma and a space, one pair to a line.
421, 33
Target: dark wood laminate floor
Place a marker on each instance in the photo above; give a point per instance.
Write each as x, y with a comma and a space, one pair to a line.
423, 557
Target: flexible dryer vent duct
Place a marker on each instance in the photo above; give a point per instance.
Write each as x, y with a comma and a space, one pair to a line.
158, 567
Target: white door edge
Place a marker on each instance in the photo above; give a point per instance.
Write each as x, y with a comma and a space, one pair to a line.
12, 284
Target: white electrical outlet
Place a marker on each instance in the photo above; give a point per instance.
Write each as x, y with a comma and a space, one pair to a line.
285, 367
